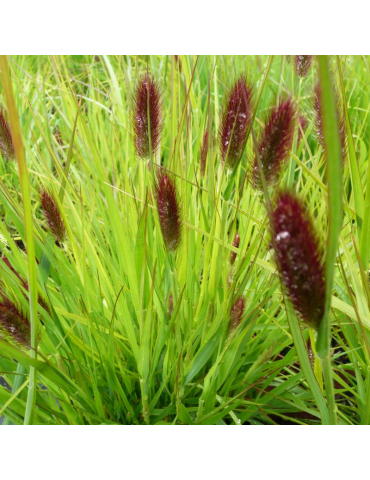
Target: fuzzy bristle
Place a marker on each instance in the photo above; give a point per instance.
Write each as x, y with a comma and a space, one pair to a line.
236, 314
147, 117
204, 153
6, 139
319, 124
52, 215
236, 242
275, 143
235, 120
303, 64
299, 257
169, 211
303, 125
14, 323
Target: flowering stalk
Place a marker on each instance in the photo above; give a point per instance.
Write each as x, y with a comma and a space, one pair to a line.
303, 64
236, 314
274, 144
14, 323
52, 215
6, 140
235, 120
146, 117
236, 243
169, 211
299, 258
204, 153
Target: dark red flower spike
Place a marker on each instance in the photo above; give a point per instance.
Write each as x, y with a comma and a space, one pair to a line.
236, 242
275, 143
6, 140
52, 215
299, 257
204, 153
169, 211
14, 323
236, 314
303, 64
146, 116
235, 120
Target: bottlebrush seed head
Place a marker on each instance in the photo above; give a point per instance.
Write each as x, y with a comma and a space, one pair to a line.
303, 64
146, 117
6, 140
319, 124
236, 242
14, 323
235, 120
52, 215
204, 153
275, 143
168, 211
236, 314
299, 258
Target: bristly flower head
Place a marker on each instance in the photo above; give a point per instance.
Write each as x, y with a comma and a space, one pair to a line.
14, 323
52, 215
303, 125
275, 143
303, 64
236, 314
204, 153
168, 210
319, 124
146, 116
299, 257
235, 120
236, 242
6, 140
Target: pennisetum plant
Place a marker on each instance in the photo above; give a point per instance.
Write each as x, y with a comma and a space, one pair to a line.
14, 323
274, 144
6, 140
299, 257
146, 116
303, 64
235, 121
169, 211
52, 215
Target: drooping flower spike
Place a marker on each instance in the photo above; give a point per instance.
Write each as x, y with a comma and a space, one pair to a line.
14, 324
299, 257
303, 64
6, 140
52, 215
147, 116
235, 120
204, 153
169, 211
274, 144
236, 314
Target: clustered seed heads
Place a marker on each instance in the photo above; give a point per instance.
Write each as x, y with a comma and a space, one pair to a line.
235, 121
236, 242
147, 118
303, 64
236, 314
299, 258
52, 215
319, 124
6, 140
168, 210
275, 143
14, 323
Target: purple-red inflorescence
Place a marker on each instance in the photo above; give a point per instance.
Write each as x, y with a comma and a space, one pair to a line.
204, 153
275, 143
299, 257
236, 242
319, 125
303, 64
235, 121
52, 215
236, 314
14, 323
147, 116
169, 211
6, 140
